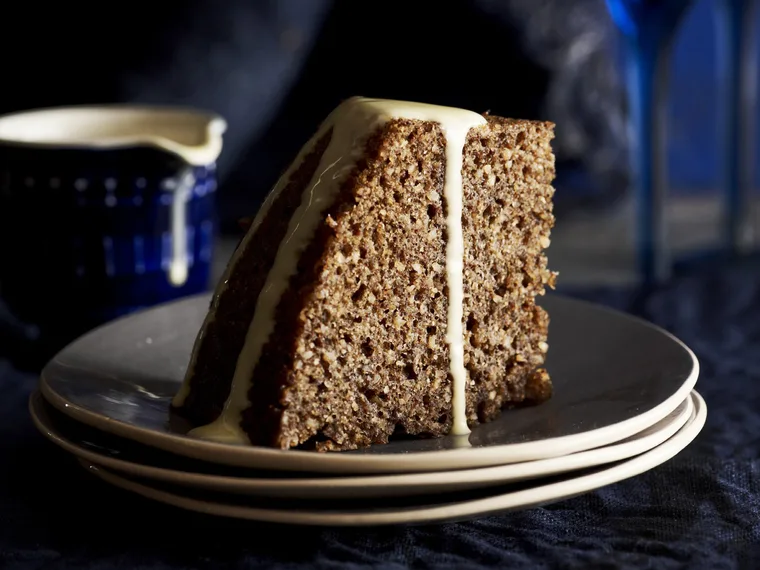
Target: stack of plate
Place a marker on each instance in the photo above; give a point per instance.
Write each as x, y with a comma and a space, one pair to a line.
623, 403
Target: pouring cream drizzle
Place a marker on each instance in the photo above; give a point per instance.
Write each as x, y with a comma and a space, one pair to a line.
352, 122
179, 265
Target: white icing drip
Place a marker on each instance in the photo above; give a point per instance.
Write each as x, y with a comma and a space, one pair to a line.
353, 121
456, 135
178, 269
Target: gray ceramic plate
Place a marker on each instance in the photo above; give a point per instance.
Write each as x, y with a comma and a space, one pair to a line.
613, 375
133, 459
406, 510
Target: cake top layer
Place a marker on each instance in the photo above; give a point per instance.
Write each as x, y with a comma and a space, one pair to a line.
356, 118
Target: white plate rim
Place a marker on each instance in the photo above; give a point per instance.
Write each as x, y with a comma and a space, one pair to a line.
372, 486
334, 462
462, 510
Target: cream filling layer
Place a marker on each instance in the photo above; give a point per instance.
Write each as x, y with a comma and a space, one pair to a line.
352, 122
179, 398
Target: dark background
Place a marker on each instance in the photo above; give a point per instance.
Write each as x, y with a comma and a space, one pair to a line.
274, 70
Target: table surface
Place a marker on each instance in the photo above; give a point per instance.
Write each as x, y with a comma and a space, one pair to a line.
699, 510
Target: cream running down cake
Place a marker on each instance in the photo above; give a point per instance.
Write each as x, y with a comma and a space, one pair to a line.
387, 286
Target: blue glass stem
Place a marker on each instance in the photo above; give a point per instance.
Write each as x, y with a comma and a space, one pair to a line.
737, 61
647, 82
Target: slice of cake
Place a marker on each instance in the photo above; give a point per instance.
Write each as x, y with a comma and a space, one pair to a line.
387, 286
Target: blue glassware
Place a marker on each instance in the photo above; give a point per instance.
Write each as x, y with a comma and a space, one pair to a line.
737, 63
103, 211
648, 27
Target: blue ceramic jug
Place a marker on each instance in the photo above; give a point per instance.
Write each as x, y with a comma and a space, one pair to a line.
103, 211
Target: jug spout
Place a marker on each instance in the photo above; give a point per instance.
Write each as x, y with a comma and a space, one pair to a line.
193, 135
